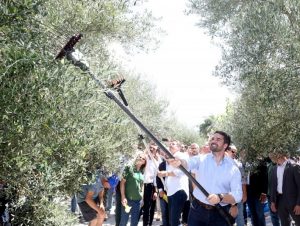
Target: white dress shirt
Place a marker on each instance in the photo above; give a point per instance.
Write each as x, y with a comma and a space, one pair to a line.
280, 172
180, 181
151, 169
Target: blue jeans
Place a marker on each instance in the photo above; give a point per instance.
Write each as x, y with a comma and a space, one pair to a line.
199, 216
164, 212
274, 216
134, 212
257, 211
240, 221
176, 204
108, 199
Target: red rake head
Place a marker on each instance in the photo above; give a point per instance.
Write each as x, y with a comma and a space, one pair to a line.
116, 83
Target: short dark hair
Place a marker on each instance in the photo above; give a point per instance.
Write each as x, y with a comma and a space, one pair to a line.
280, 152
227, 139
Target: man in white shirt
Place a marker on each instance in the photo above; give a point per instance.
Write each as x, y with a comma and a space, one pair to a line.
177, 185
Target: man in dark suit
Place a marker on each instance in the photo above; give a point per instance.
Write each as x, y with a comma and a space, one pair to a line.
285, 193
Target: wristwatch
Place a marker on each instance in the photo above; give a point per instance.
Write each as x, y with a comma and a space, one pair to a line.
221, 197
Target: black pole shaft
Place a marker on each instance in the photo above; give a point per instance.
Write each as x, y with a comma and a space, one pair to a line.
162, 147
68, 53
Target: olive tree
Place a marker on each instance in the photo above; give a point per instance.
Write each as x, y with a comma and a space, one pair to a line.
56, 125
261, 61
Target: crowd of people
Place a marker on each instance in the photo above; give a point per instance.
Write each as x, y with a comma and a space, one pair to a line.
231, 185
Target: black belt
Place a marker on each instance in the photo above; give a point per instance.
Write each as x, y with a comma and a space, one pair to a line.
148, 184
204, 205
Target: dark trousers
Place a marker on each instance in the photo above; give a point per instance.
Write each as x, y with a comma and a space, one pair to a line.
73, 204
199, 216
164, 212
176, 204
285, 212
257, 211
149, 204
274, 216
186, 210
118, 207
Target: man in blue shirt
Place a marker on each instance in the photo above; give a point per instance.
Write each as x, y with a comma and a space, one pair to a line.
220, 177
90, 201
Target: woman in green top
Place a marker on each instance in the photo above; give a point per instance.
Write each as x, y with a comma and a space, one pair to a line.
131, 190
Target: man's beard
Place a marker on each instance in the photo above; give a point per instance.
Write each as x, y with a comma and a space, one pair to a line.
215, 148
